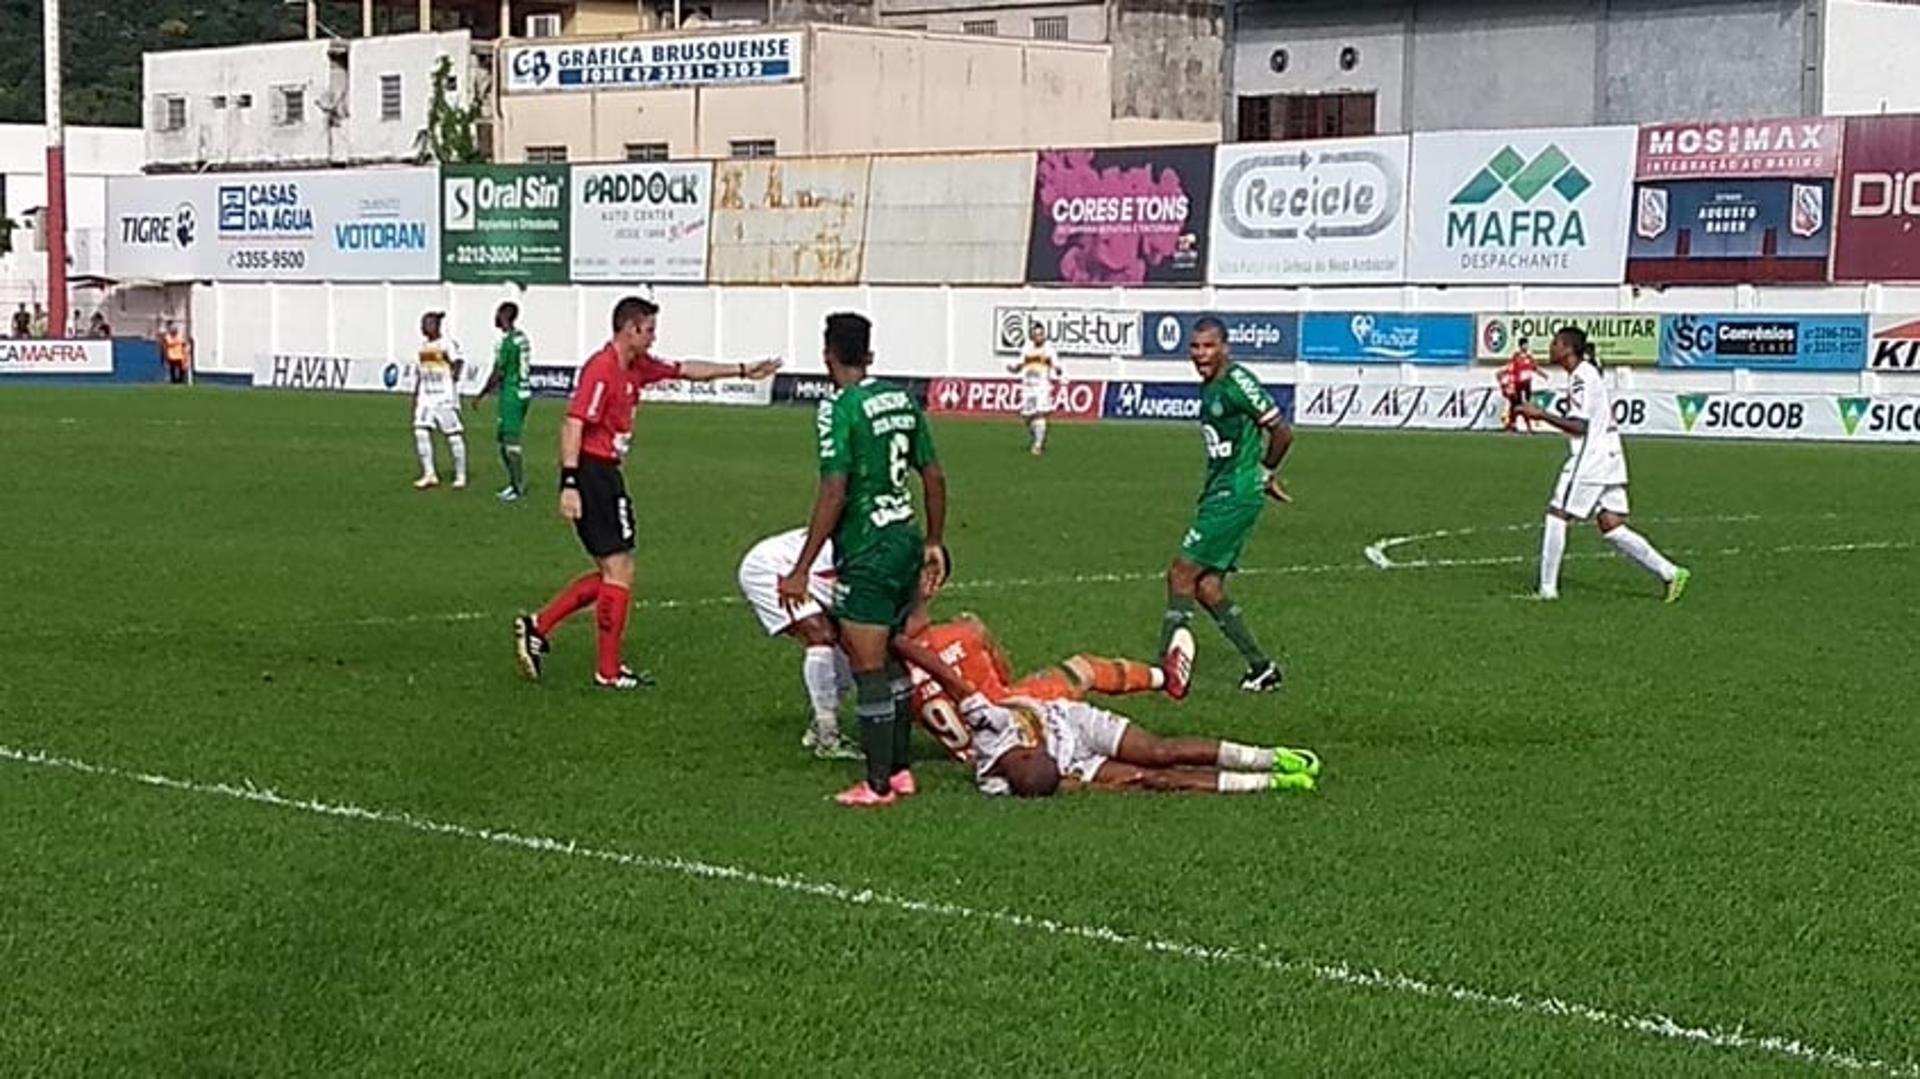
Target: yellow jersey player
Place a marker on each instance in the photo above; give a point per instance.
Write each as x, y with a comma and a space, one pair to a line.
1040, 379
436, 403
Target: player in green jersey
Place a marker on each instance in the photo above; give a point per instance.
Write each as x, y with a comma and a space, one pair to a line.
512, 358
872, 434
1234, 411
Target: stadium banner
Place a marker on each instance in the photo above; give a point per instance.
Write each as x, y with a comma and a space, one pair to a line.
1267, 337
1127, 216
1072, 331
949, 219
1385, 337
644, 222
358, 225
726, 391
504, 223
1172, 400
789, 221
810, 390
551, 381
1807, 146
1002, 397
703, 60
55, 357
1878, 234
1895, 347
354, 374
1617, 339
1373, 405
1323, 212
1765, 342
1730, 231
1540, 206
1772, 416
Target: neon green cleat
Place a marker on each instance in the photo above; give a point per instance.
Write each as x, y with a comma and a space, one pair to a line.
1678, 586
1292, 781
1303, 762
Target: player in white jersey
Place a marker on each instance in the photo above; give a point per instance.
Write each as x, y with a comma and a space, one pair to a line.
1593, 482
1040, 378
824, 667
436, 402
1031, 748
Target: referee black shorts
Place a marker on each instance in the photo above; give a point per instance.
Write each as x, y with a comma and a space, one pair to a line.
606, 513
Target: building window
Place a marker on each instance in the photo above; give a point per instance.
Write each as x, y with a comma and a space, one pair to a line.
1050, 28
751, 148
389, 97
170, 112
219, 101
289, 106
980, 27
546, 155
243, 101
647, 151
1305, 116
543, 26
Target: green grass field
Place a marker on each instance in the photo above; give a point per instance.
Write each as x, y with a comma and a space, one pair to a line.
306, 818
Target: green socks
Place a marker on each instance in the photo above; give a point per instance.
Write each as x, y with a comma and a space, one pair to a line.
1230, 623
873, 703
1179, 615
511, 456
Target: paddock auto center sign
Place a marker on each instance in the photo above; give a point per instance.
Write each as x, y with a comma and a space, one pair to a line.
645, 222
1618, 340
706, 60
504, 223
1331, 212
1542, 206
1072, 331
363, 225
55, 357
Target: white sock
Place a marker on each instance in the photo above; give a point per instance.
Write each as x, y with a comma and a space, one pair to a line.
459, 445
1039, 433
1635, 546
423, 445
1553, 544
1242, 782
823, 684
1235, 757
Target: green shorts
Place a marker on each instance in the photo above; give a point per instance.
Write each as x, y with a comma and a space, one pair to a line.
879, 585
513, 418
1220, 531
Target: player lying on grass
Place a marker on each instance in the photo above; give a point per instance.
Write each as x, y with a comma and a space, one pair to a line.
823, 667
1032, 749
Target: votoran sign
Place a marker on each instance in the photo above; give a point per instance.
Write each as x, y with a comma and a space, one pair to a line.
364, 225
1328, 212
717, 60
1540, 206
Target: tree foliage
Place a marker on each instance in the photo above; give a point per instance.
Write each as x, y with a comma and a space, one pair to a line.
452, 134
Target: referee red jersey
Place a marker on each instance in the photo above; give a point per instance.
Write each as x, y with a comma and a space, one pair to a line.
605, 397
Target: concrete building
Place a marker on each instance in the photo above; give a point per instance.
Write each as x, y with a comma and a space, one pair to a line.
93, 154
301, 103
1307, 68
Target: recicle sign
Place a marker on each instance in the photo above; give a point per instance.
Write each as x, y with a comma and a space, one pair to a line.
1266, 337
1385, 337
1765, 342
1326, 212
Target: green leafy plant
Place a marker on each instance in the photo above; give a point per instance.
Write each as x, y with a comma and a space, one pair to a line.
452, 134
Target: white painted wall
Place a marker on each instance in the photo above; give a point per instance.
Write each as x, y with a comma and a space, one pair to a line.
1869, 62
341, 123
938, 331
93, 153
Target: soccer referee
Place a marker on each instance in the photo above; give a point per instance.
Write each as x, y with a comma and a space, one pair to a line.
594, 439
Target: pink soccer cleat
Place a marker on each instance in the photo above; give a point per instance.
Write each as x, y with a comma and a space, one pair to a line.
861, 796
1178, 664
903, 784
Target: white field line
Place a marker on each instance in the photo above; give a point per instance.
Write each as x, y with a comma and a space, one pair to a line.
1655, 1025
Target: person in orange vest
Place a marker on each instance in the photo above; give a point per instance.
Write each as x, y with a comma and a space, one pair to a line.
176, 352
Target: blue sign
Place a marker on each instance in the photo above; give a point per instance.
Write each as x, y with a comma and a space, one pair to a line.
1765, 342
1270, 337
1171, 401
1732, 219
1385, 337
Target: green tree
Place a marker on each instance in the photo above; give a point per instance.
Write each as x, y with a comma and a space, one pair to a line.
452, 134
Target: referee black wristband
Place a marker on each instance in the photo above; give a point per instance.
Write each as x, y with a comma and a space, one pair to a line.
569, 479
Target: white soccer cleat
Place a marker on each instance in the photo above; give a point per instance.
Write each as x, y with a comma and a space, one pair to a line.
426, 483
460, 484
